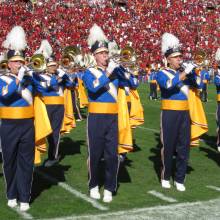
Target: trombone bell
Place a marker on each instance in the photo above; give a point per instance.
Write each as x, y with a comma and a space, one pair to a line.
3, 64
38, 63
200, 57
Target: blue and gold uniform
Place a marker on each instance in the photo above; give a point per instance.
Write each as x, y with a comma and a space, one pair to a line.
102, 126
175, 121
52, 93
17, 135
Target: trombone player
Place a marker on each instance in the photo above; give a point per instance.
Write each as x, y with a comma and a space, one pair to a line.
71, 55
52, 82
202, 63
17, 123
175, 118
102, 83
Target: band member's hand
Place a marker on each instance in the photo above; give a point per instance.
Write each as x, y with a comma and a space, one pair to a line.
122, 73
111, 66
189, 67
61, 73
21, 73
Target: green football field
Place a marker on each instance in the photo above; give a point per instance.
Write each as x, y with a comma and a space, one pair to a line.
61, 191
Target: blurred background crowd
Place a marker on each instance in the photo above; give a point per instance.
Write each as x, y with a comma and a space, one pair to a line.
139, 23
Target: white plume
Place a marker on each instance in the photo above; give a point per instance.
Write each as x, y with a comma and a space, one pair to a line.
16, 39
96, 34
217, 55
169, 41
113, 48
45, 49
5, 44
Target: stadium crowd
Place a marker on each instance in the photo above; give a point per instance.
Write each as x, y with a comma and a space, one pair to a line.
140, 22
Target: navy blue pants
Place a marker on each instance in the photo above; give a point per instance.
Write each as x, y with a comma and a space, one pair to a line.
17, 138
175, 138
102, 140
56, 115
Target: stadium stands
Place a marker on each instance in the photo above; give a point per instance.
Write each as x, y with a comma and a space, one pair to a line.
142, 22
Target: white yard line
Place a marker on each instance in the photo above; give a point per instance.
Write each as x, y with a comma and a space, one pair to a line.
149, 129
189, 210
24, 215
214, 187
73, 191
162, 196
210, 113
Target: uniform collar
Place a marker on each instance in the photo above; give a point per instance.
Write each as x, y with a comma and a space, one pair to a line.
100, 68
171, 70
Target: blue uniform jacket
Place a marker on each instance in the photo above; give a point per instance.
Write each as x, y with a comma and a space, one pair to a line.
172, 87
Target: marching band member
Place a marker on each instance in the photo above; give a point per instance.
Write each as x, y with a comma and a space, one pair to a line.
69, 65
199, 59
217, 84
17, 126
101, 82
175, 117
125, 141
53, 81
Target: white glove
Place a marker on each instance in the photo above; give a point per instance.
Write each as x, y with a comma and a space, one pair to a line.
127, 75
111, 66
21, 73
61, 73
218, 71
29, 71
189, 67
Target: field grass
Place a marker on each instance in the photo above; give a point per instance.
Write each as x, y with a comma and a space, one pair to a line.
139, 174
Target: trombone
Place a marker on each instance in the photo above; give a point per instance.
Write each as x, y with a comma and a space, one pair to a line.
127, 59
38, 63
3, 66
69, 53
200, 60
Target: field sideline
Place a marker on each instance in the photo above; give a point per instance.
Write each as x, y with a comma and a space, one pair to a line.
61, 192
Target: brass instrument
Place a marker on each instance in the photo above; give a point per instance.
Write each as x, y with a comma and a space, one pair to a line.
3, 64
38, 63
126, 58
199, 59
69, 53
